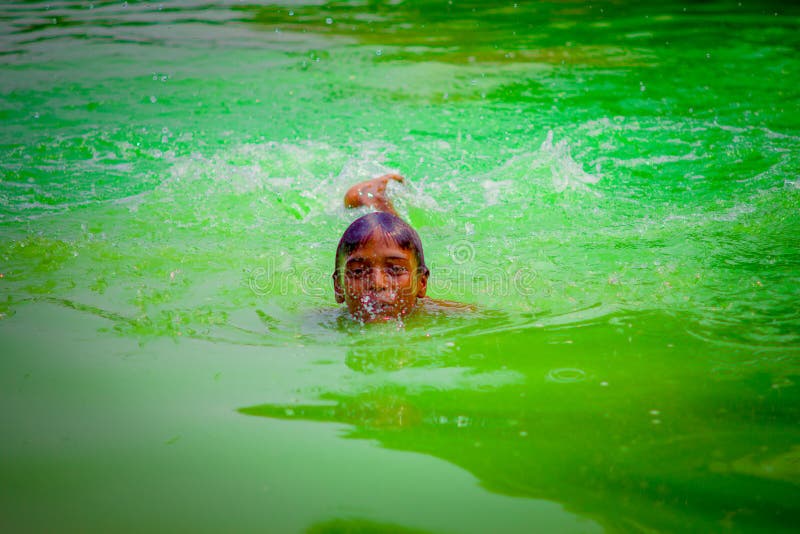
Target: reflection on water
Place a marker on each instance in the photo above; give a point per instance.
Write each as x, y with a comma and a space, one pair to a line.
618, 425
360, 526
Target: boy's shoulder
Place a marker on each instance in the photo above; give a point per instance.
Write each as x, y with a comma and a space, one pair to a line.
443, 306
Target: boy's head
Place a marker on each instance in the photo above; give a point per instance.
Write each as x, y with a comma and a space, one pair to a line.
380, 268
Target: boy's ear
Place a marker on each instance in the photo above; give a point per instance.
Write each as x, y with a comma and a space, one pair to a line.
422, 283
337, 288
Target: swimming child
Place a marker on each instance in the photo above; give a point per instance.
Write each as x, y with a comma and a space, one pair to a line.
380, 270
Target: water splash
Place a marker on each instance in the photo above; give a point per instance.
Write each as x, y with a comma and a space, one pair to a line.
566, 172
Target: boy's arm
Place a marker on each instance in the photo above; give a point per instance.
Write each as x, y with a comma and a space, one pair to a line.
372, 193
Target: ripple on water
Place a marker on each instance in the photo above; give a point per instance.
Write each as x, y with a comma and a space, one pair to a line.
566, 375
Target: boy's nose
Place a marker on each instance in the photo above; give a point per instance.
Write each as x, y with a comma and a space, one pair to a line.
379, 278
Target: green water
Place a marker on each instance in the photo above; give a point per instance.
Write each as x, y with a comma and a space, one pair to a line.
616, 187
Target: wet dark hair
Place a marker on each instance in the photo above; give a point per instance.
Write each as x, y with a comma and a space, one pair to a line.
391, 226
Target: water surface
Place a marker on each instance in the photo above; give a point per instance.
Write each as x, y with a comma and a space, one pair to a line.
614, 186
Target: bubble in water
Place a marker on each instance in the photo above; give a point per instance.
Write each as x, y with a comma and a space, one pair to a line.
566, 375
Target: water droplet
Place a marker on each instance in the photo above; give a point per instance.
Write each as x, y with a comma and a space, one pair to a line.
153, 100
378, 52
329, 21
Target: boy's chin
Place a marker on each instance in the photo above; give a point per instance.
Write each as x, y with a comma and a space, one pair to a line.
377, 317
369, 309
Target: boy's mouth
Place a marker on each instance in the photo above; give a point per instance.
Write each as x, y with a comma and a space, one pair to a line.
380, 299
379, 306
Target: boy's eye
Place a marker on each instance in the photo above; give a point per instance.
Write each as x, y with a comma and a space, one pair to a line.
397, 270
358, 272
362, 272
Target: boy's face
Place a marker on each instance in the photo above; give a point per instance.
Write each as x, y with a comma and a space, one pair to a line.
379, 281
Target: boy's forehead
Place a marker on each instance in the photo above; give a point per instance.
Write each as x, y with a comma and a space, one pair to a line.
380, 245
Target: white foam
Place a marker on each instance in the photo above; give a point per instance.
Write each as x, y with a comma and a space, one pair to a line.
565, 171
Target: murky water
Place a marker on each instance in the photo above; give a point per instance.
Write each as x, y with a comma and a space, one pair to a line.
616, 187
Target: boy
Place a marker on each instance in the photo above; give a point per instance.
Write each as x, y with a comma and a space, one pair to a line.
380, 270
